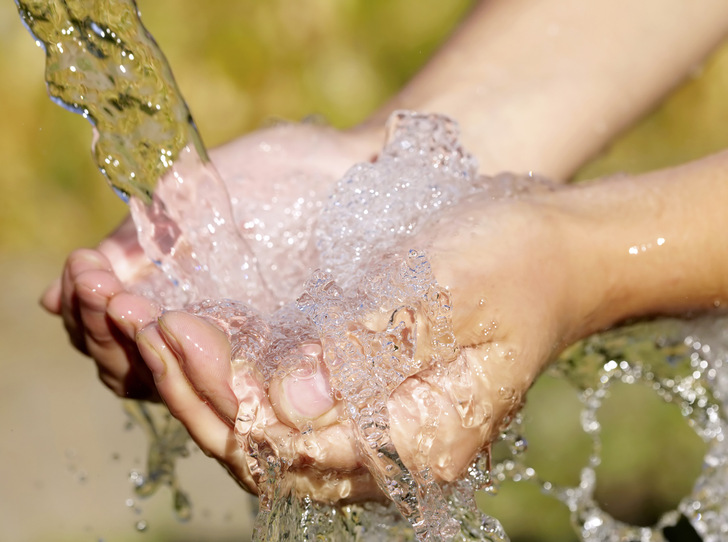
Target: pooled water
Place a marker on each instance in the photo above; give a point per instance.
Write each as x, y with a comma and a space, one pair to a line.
373, 305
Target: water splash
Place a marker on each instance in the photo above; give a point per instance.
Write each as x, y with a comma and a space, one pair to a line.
683, 363
168, 442
101, 63
366, 276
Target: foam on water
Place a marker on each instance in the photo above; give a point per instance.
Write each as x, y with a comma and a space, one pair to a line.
373, 305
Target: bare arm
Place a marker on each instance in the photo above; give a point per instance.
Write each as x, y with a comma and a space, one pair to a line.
657, 242
543, 84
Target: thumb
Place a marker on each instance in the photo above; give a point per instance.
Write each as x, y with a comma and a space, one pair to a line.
304, 398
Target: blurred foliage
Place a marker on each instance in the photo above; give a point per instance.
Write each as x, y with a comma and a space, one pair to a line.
242, 63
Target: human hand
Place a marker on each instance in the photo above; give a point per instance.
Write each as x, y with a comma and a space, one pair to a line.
512, 312
103, 294
101, 316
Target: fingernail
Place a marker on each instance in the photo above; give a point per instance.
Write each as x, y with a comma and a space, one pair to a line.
154, 350
309, 396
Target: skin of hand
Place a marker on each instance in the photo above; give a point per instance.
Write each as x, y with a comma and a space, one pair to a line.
527, 277
525, 83
101, 314
510, 330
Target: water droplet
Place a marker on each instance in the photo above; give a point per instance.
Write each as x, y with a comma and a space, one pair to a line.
506, 392
520, 445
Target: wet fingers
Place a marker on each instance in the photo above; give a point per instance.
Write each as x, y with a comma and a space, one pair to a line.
214, 436
79, 262
204, 354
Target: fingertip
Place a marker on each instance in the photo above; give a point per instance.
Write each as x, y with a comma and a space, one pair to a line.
181, 395
85, 259
131, 313
50, 300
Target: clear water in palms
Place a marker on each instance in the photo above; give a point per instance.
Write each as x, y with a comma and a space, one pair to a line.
101, 63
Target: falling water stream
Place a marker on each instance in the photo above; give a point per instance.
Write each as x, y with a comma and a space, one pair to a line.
101, 63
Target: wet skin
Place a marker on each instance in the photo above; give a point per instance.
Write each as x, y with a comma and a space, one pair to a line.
107, 321
527, 277
546, 272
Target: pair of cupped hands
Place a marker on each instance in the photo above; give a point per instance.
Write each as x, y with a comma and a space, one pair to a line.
511, 310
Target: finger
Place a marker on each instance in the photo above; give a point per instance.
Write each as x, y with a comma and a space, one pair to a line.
213, 435
204, 354
51, 298
78, 262
112, 347
304, 399
124, 252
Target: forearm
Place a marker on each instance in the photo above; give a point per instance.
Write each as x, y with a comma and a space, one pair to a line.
543, 84
655, 244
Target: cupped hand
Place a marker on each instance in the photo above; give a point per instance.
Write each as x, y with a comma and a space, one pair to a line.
100, 294
513, 307
101, 316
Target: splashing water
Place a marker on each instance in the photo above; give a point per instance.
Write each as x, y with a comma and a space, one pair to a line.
101, 62
364, 275
683, 362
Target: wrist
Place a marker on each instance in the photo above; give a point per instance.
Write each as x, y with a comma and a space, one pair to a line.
647, 245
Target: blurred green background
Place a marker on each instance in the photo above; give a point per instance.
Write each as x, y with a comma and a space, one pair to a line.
65, 454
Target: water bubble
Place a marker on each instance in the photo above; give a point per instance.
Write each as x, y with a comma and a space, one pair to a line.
136, 478
520, 445
375, 211
506, 393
